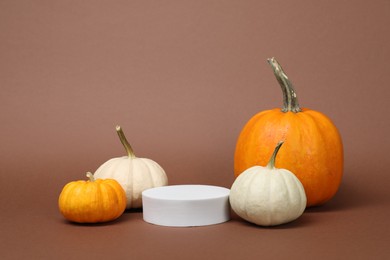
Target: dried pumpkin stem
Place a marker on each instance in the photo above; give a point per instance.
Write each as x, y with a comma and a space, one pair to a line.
124, 141
90, 176
271, 163
290, 100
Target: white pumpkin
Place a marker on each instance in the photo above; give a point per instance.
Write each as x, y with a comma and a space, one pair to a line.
134, 174
268, 196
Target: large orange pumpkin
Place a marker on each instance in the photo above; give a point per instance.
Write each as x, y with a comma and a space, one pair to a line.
312, 150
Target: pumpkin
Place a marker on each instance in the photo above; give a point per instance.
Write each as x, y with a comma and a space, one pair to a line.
134, 174
313, 149
268, 196
92, 201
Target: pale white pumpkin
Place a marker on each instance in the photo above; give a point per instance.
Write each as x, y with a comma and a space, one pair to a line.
134, 174
268, 196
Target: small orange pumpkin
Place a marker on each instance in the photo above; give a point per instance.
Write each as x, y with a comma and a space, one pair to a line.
313, 149
92, 201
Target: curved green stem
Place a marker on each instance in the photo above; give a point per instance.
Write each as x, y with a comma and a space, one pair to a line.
271, 163
124, 141
90, 176
290, 100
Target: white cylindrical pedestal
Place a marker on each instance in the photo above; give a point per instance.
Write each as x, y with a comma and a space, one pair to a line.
186, 205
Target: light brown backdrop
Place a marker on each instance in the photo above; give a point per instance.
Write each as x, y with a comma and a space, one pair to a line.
182, 78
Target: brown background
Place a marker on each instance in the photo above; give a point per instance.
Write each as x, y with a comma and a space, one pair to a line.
182, 78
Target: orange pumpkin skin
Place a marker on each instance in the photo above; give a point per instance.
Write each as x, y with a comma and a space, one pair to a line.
92, 201
312, 149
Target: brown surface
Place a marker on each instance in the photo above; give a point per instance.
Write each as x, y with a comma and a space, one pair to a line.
182, 78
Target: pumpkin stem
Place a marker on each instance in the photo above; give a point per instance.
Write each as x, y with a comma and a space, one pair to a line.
90, 176
271, 163
290, 100
124, 141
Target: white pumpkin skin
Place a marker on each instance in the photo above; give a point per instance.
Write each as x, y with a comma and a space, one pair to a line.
134, 174
267, 196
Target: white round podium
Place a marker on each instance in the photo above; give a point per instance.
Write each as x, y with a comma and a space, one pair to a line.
186, 205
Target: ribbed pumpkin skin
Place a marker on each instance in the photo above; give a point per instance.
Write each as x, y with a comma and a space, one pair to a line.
134, 175
92, 201
267, 197
313, 149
